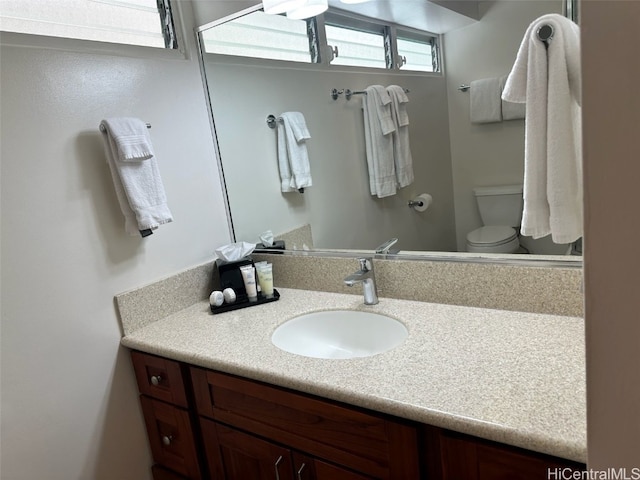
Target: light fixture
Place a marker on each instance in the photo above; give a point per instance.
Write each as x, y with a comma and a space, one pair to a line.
309, 9
275, 7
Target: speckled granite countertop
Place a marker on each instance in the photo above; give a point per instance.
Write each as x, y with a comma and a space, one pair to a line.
516, 378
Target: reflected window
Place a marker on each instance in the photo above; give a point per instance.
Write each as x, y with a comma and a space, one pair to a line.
349, 46
417, 52
259, 35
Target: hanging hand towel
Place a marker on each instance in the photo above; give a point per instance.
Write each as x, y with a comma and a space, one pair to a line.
511, 110
293, 158
135, 175
485, 106
378, 126
401, 149
547, 79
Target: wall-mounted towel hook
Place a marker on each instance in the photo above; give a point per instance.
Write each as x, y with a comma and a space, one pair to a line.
335, 93
464, 88
272, 120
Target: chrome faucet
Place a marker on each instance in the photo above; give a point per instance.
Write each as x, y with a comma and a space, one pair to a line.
366, 276
386, 247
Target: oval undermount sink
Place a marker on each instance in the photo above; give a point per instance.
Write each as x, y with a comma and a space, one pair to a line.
339, 334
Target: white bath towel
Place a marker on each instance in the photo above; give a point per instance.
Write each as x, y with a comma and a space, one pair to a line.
401, 148
293, 158
548, 81
136, 180
378, 127
485, 104
511, 110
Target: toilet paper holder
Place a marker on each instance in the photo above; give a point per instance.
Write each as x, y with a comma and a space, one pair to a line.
421, 202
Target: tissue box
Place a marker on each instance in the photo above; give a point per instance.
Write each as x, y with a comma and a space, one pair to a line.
277, 245
230, 276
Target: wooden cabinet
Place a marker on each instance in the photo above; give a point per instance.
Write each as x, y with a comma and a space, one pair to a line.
374, 445
463, 457
167, 417
206, 425
235, 455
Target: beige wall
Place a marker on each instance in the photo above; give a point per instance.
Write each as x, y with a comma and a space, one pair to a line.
69, 400
611, 109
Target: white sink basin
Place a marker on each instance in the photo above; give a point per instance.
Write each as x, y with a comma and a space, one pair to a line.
339, 334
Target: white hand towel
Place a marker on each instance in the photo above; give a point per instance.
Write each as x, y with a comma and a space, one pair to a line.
548, 80
378, 126
132, 140
401, 148
511, 110
485, 105
138, 184
294, 132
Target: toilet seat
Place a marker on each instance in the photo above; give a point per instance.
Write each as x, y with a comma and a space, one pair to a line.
493, 239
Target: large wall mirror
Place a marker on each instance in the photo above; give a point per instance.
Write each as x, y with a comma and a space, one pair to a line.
451, 155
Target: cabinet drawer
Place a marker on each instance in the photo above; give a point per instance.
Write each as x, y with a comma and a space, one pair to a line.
159, 378
366, 442
159, 473
171, 437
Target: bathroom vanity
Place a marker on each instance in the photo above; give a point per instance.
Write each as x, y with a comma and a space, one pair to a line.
471, 394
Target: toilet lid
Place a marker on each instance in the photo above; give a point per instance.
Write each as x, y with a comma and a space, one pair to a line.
494, 235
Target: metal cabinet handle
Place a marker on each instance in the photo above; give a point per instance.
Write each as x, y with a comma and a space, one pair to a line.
166, 440
276, 467
300, 471
155, 380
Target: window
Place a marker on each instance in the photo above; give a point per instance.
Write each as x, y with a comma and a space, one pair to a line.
259, 35
333, 38
134, 22
417, 52
357, 48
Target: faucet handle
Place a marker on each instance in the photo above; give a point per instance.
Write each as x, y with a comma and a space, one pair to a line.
366, 264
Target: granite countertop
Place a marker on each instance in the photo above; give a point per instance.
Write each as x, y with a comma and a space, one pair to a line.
512, 377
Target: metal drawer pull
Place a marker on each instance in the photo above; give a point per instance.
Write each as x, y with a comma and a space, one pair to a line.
166, 440
276, 467
300, 471
155, 380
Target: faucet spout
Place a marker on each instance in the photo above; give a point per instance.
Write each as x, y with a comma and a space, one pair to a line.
365, 276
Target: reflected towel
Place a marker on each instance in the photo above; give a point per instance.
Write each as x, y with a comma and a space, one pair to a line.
293, 159
548, 80
485, 103
511, 110
378, 126
401, 148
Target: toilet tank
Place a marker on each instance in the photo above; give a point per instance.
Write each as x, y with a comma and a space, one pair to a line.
500, 205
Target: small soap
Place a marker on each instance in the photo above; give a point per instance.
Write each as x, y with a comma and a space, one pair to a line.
216, 298
229, 295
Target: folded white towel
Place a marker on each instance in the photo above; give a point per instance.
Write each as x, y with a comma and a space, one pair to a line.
401, 148
548, 80
485, 104
136, 180
132, 140
378, 126
511, 110
293, 158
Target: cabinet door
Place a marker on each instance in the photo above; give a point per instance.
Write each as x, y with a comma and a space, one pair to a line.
466, 458
309, 468
234, 455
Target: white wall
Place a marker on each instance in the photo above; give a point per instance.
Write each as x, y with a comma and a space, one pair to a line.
487, 154
339, 206
69, 401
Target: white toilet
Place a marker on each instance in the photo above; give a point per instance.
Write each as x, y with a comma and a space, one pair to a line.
501, 210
